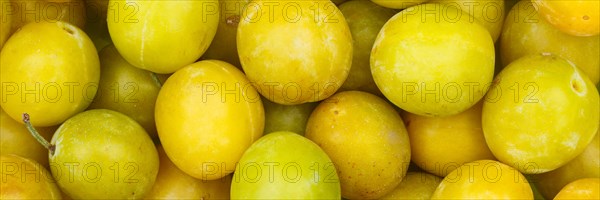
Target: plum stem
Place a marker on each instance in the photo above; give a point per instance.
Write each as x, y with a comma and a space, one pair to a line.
37, 135
156, 80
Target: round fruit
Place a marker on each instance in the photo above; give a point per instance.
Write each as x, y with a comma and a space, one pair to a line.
553, 89
126, 89
272, 169
223, 46
484, 179
442, 144
207, 115
26, 179
172, 183
488, 13
398, 4
99, 154
578, 18
525, 33
585, 165
15, 139
51, 76
587, 188
300, 53
162, 36
418, 66
365, 19
291, 118
366, 140
36, 11
415, 185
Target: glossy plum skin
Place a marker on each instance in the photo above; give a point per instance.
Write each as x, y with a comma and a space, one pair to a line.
441, 144
285, 165
56, 72
484, 179
297, 56
23, 178
526, 32
366, 140
100, 153
195, 110
143, 31
417, 64
540, 85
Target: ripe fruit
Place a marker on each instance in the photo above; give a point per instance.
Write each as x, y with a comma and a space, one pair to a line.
172, 183
51, 76
587, 188
162, 36
366, 140
207, 115
484, 179
25, 179
553, 89
415, 185
291, 118
442, 144
99, 154
578, 18
487, 13
223, 47
300, 53
15, 139
365, 19
285, 165
126, 89
585, 165
525, 33
418, 65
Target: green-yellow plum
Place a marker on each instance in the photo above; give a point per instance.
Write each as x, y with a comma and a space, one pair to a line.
484, 179
366, 140
525, 33
126, 89
162, 36
44, 11
172, 183
15, 139
418, 64
223, 46
301, 52
585, 165
442, 144
488, 13
586, 188
398, 4
575, 17
291, 118
415, 185
50, 76
103, 154
23, 178
207, 114
365, 19
540, 85
285, 165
